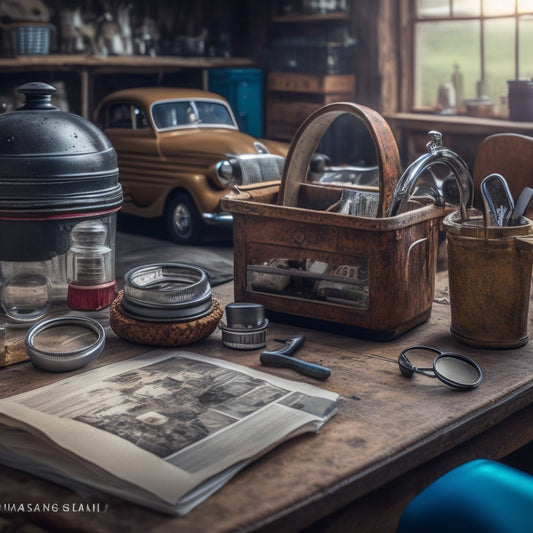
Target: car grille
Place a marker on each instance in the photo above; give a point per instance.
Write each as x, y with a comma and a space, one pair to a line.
256, 168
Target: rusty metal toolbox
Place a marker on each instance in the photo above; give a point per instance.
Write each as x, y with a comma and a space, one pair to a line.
373, 275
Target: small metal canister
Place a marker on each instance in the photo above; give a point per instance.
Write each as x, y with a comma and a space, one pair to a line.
59, 194
489, 271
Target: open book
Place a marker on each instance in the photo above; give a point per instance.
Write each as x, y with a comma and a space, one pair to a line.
164, 430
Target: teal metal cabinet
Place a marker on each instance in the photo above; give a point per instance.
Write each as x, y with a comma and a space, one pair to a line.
243, 88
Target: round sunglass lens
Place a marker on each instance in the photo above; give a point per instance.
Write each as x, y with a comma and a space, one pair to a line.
457, 371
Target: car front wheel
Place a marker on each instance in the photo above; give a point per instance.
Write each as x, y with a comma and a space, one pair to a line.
183, 220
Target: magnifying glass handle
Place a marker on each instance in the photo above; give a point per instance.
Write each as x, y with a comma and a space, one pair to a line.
279, 360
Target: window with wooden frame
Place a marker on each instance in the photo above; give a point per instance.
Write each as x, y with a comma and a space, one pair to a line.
466, 51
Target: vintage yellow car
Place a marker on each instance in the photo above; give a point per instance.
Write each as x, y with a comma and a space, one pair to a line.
179, 151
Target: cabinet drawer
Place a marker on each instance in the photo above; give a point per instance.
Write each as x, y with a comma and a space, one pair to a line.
307, 83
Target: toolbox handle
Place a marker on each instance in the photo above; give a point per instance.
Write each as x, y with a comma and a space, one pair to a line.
308, 135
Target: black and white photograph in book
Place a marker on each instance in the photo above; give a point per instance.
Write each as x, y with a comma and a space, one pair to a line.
171, 404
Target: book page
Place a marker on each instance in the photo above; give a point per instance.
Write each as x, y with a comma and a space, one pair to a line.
165, 422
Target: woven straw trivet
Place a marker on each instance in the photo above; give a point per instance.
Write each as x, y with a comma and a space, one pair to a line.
162, 333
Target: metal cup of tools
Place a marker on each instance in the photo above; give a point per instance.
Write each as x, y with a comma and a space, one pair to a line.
490, 262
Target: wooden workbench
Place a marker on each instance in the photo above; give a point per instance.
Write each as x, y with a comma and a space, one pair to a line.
390, 438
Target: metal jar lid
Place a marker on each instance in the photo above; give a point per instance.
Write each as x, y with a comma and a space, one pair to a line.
166, 284
166, 292
54, 163
55, 169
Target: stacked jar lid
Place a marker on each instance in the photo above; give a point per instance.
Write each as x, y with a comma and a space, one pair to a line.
166, 292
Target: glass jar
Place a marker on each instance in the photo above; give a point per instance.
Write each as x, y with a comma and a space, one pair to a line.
59, 194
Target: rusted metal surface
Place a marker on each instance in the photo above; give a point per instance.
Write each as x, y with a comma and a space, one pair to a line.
393, 259
311, 131
490, 279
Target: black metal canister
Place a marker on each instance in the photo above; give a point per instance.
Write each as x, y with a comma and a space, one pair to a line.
57, 170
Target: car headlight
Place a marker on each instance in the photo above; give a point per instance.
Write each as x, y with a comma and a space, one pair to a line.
260, 148
225, 172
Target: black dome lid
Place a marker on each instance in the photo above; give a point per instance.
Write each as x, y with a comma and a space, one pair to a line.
53, 162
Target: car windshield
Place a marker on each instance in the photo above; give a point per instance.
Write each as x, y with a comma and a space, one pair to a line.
179, 114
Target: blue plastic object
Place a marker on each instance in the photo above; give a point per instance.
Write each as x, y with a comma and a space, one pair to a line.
243, 88
480, 496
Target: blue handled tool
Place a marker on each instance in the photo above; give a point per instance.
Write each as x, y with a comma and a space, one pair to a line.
521, 206
283, 359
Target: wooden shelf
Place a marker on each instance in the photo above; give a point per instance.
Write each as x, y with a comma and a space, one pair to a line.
121, 62
312, 17
88, 67
461, 123
292, 96
460, 133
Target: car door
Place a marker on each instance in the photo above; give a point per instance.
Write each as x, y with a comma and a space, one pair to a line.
136, 144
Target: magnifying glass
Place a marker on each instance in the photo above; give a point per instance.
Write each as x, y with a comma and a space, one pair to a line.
453, 369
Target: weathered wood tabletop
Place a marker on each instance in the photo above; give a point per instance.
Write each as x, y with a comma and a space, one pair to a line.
390, 437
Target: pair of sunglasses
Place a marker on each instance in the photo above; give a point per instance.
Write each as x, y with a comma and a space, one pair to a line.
454, 370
